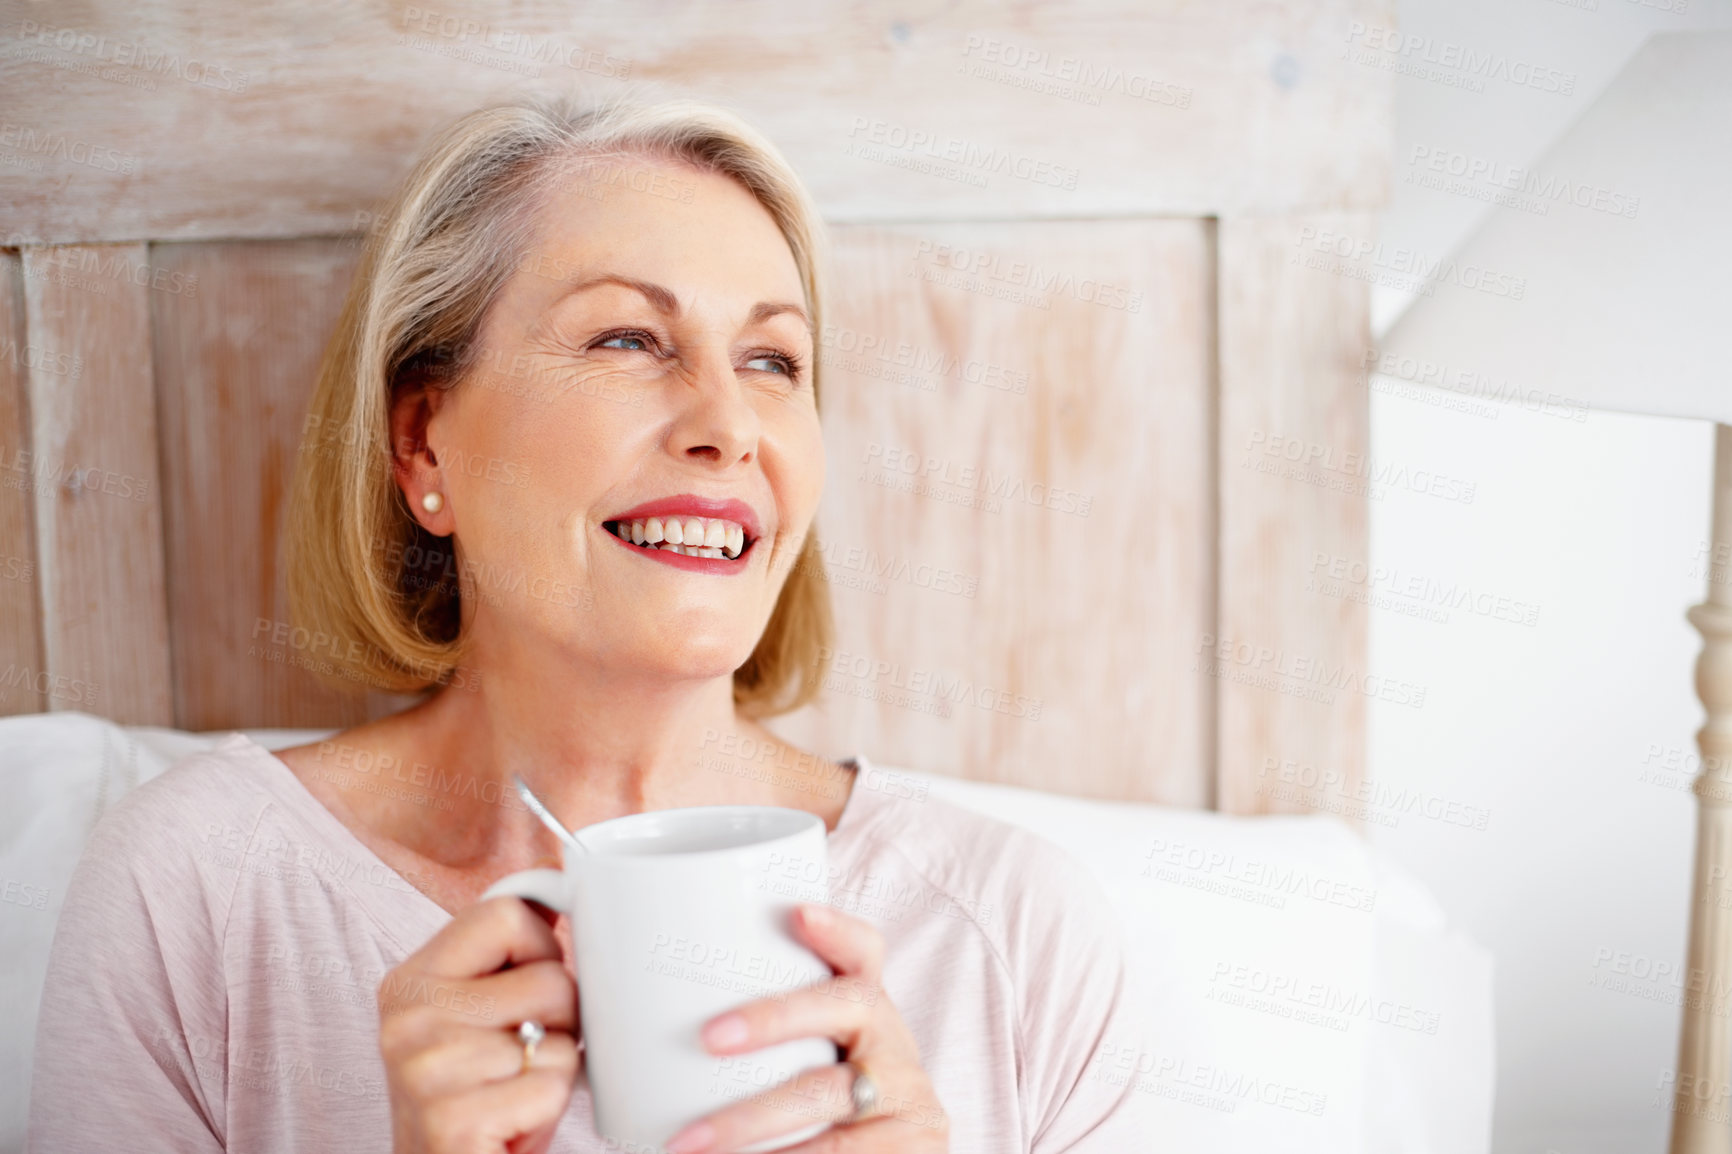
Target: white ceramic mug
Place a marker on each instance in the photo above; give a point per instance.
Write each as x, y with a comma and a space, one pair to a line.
678, 915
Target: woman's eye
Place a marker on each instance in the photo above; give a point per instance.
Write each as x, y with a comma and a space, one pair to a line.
624, 341
771, 365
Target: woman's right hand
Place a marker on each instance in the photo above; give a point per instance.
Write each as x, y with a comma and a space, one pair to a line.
448, 1019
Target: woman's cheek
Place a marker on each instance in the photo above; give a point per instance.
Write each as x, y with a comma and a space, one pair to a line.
600, 385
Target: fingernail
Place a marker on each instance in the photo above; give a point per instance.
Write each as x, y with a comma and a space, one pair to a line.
694, 1139
818, 917
729, 1030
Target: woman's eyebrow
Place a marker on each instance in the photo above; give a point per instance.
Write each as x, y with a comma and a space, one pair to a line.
664, 301
764, 310
661, 299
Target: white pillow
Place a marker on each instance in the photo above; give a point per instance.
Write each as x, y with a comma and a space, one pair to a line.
62, 771
1288, 968
1215, 910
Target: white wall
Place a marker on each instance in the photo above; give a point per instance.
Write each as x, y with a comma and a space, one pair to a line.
1551, 728
1554, 727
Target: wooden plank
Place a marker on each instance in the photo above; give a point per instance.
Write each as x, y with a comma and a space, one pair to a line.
181, 121
1287, 656
20, 628
235, 365
1017, 522
92, 470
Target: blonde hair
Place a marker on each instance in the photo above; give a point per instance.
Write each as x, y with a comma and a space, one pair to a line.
433, 264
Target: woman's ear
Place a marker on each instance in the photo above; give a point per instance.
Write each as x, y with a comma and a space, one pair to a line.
413, 405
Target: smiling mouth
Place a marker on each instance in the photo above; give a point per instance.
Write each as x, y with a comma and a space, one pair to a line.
712, 537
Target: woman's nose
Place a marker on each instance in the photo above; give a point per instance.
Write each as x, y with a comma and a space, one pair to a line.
717, 423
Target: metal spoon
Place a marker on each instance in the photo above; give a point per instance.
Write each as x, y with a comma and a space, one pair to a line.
545, 814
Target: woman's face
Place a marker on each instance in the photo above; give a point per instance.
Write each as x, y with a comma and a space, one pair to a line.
647, 366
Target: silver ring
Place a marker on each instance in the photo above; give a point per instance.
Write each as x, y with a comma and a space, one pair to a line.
863, 1090
530, 1033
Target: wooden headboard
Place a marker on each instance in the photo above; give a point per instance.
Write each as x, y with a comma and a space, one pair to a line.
1079, 322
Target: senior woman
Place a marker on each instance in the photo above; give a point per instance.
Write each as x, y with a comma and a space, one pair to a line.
576, 370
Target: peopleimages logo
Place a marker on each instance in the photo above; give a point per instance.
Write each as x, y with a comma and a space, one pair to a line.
39, 359
1435, 376
1064, 76
933, 476
1300, 675
944, 687
1296, 458
1429, 58
1271, 882
34, 142
466, 37
92, 269
858, 352
1417, 594
1495, 177
55, 686
135, 55
863, 567
1365, 259
1316, 787
874, 139
1039, 282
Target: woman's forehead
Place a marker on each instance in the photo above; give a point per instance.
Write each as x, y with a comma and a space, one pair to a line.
665, 223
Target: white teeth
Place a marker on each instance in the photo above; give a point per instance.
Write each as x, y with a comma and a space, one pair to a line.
688, 536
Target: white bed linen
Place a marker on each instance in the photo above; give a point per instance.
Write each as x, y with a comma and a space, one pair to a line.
1303, 994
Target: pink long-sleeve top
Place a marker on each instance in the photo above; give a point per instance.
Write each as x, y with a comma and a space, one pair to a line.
213, 974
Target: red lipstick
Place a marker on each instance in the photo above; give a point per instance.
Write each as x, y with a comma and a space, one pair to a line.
690, 505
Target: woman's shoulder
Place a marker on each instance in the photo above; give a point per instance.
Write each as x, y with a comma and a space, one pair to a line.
1013, 969
160, 874
1015, 885
204, 806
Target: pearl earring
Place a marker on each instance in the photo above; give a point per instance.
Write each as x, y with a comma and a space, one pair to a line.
433, 502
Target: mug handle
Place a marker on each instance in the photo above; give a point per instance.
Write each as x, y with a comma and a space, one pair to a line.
546, 887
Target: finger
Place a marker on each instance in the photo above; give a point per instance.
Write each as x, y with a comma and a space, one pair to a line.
467, 1058
848, 944
490, 1116
539, 990
820, 1095
536, 1142
838, 1009
542, 991
486, 937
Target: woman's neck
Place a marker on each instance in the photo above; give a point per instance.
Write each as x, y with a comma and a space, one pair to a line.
591, 747
600, 744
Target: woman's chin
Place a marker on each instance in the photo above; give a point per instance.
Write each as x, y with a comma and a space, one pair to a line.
697, 660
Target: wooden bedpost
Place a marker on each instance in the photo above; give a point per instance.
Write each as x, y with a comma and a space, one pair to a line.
1699, 1100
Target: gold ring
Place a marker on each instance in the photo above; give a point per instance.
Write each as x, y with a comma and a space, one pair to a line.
530, 1033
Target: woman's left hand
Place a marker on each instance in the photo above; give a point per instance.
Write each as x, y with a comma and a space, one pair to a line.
852, 1010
